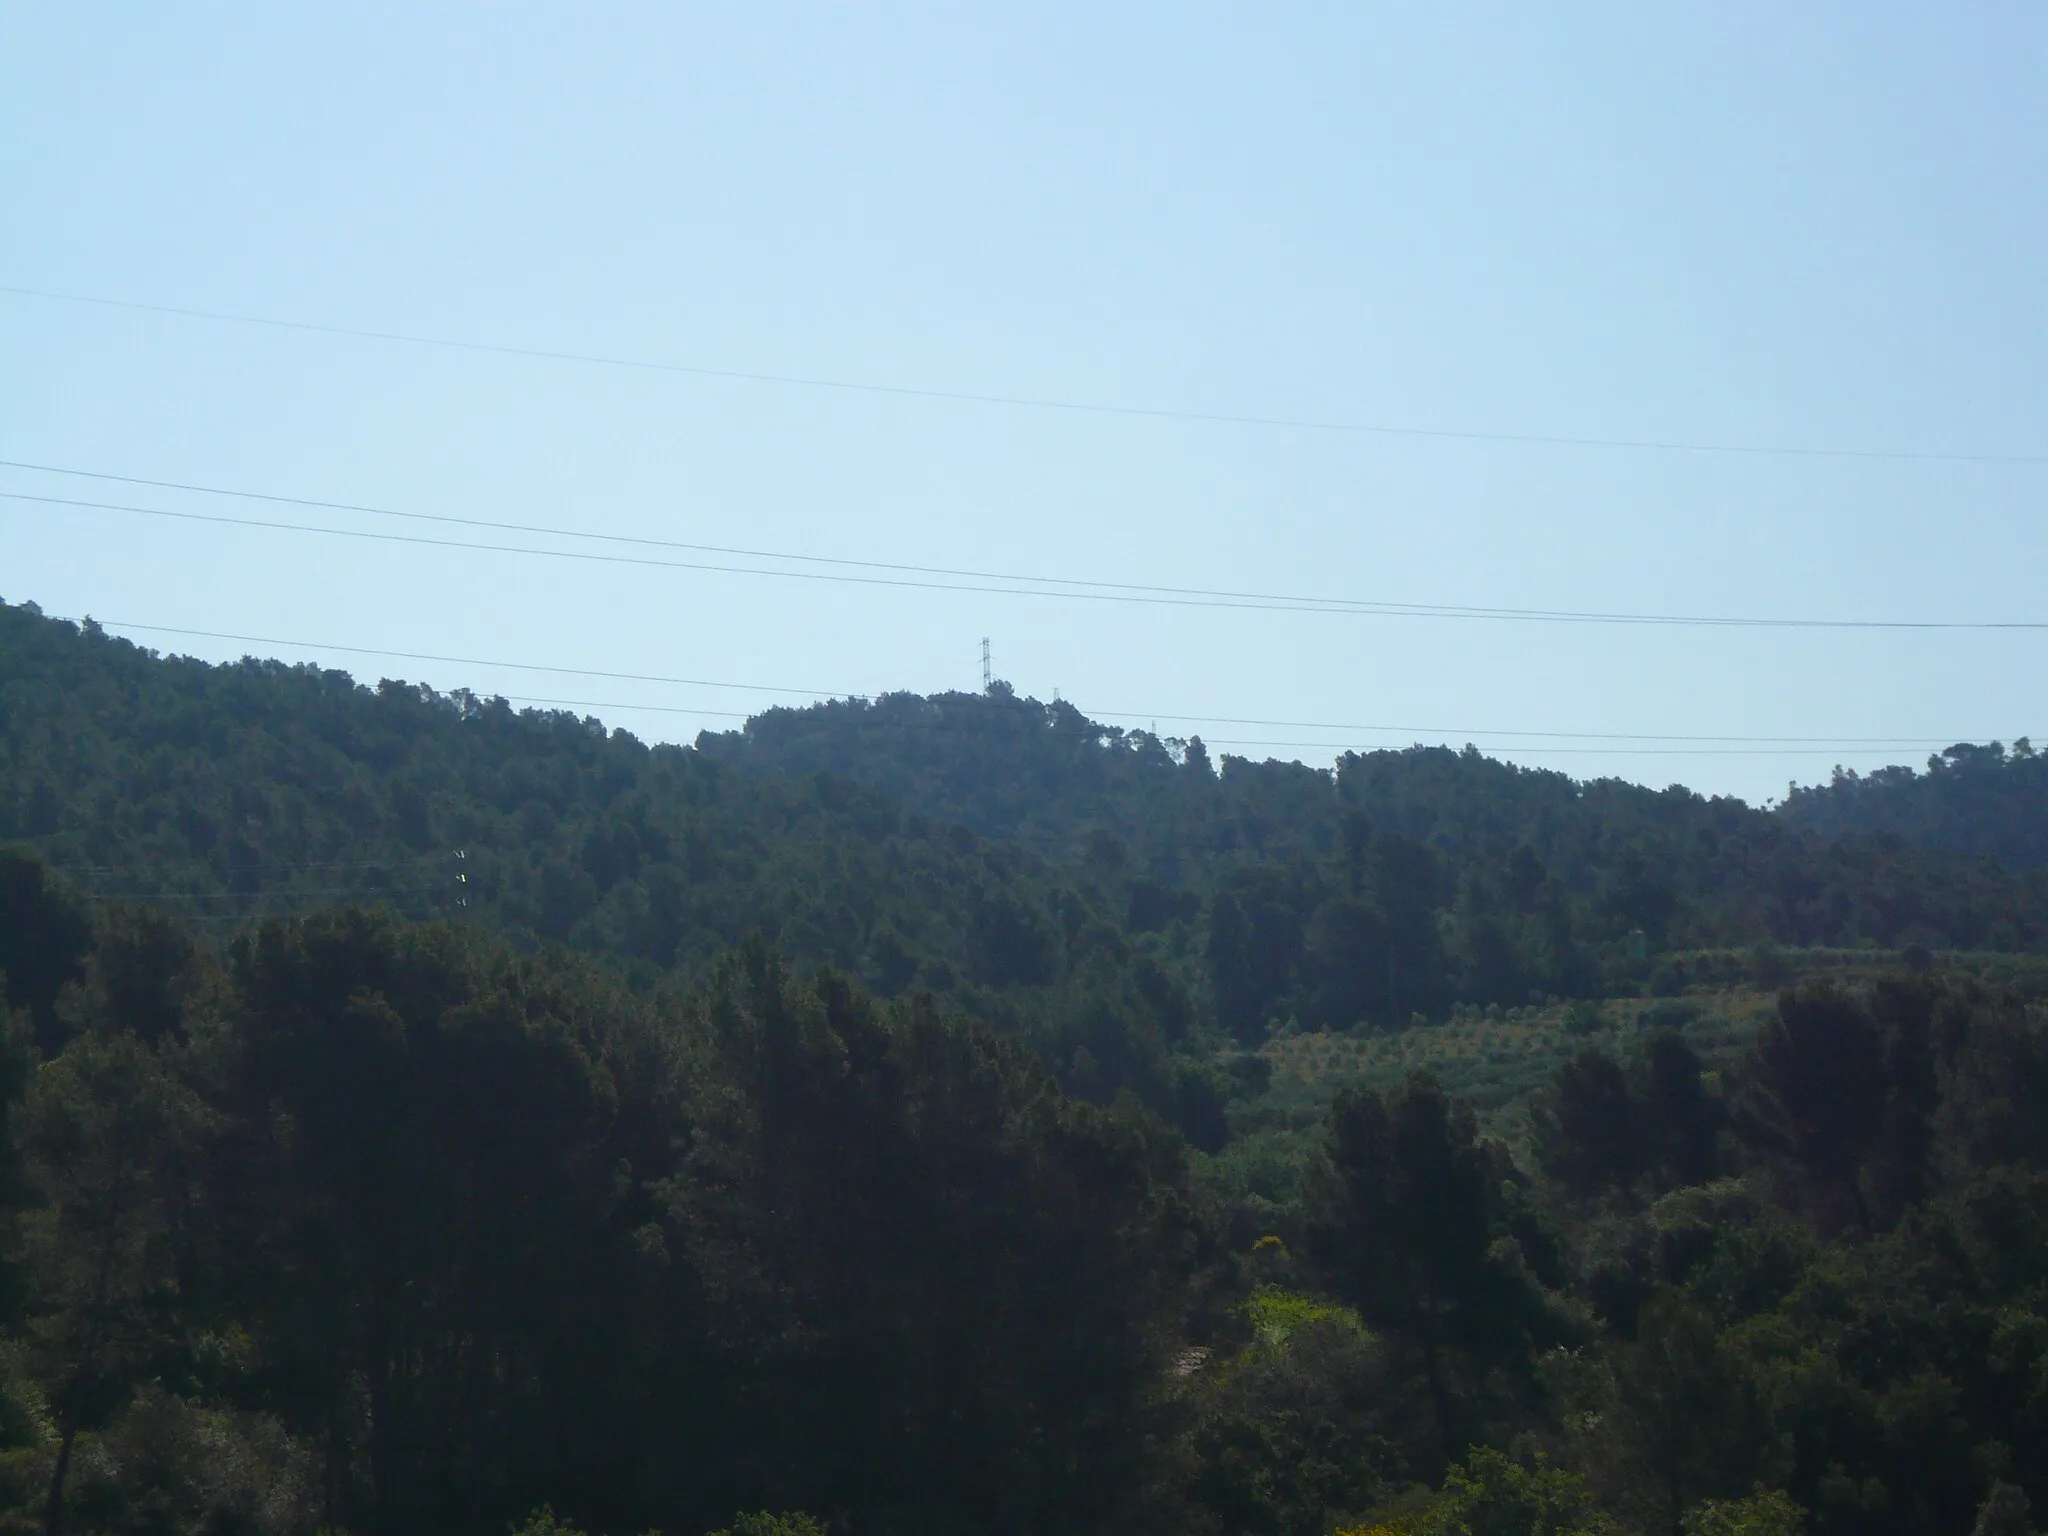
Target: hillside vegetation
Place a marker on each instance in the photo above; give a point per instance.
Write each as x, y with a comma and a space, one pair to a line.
951, 1115
1984, 800
1403, 882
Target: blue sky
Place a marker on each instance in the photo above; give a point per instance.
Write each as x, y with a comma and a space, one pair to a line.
1816, 227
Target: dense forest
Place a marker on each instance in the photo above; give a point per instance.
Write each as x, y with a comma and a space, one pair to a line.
932, 1115
1984, 800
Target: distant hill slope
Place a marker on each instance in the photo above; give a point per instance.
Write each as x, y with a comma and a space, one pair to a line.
1041, 868
1981, 800
1046, 774
221, 791
1685, 869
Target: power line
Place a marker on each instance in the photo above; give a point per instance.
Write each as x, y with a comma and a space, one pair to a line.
1153, 597
1335, 747
1030, 402
266, 867
1815, 742
1470, 730
685, 565
621, 538
459, 661
1261, 599
272, 893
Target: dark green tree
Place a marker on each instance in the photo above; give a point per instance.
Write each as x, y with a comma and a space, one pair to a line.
44, 940
1589, 1126
438, 1194
110, 1137
947, 1289
1819, 1089
1491, 1495
1684, 1406
1683, 1123
1410, 1228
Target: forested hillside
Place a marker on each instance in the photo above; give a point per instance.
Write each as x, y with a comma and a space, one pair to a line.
367, 1225
950, 1115
357, 1224
1984, 800
961, 840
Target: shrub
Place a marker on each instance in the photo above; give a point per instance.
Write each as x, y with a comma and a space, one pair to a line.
763, 1523
1491, 1495
1277, 1315
1583, 1018
545, 1522
1763, 1514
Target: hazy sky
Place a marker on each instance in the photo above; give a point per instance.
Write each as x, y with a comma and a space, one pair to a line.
1816, 226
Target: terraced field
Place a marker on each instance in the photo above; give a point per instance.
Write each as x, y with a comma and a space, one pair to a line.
1494, 1060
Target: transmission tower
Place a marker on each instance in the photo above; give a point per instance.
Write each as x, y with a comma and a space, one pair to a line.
988, 676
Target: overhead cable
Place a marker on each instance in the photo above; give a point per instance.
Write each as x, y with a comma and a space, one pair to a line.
1034, 402
1817, 742
1153, 597
1338, 748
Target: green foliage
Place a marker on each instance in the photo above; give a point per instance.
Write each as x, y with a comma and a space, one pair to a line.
259, 786
1844, 1083
955, 1115
1307, 1420
1981, 800
1491, 1495
441, 1231
1583, 1018
188, 1468
2004, 1512
544, 1522
44, 940
1415, 1230
1602, 1128
1764, 1514
1277, 1316
1683, 1405
895, 1223
1502, 1067
853, 833
1849, 1358
765, 1524
110, 1135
